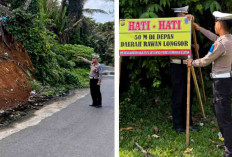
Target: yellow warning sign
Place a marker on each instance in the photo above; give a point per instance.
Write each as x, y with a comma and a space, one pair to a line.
155, 37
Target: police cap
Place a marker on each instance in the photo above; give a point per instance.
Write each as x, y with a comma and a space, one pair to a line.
181, 10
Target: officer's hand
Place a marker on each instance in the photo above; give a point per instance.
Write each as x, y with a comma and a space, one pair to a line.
189, 62
197, 47
190, 17
99, 83
196, 26
79, 57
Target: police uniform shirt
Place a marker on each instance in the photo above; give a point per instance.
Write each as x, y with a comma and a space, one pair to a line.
220, 57
95, 70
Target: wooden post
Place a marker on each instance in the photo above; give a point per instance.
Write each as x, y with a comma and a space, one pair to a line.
197, 56
198, 91
120, 62
188, 107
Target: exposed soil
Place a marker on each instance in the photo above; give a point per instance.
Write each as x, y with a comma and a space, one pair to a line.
14, 81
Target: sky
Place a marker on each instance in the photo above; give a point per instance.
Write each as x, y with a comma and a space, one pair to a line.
101, 4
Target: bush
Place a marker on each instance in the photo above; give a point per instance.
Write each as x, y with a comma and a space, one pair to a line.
55, 64
35, 85
67, 55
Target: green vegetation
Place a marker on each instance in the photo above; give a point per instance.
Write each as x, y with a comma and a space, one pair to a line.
54, 35
153, 109
145, 88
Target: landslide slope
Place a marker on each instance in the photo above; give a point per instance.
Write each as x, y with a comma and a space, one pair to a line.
14, 81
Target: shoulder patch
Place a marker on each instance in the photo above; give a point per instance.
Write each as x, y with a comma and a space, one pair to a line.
100, 68
215, 44
211, 48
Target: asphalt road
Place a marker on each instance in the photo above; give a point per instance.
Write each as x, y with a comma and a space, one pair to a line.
106, 69
75, 131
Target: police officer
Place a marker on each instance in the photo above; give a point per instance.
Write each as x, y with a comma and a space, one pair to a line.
95, 76
220, 55
178, 73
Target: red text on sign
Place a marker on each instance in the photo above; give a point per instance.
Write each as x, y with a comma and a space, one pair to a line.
170, 25
139, 25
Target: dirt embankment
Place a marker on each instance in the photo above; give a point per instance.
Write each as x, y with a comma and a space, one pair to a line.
14, 82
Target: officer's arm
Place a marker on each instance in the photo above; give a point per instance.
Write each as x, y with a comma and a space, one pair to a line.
207, 33
210, 57
85, 60
100, 74
211, 36
197, 47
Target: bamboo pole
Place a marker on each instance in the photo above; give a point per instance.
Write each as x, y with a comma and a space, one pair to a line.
198, 91
188, 107
197, 56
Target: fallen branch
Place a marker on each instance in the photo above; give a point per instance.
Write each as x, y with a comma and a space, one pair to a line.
74, 25
141, 148
146, 153
129, 128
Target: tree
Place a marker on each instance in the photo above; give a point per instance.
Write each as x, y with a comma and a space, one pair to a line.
75, 9
104, 36
68, 17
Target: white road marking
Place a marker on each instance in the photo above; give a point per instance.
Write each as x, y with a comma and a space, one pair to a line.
43, 113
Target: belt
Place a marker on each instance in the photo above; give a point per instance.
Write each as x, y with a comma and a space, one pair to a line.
178, 61
93, 77
224, 75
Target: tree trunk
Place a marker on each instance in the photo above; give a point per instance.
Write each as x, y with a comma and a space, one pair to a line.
27, 4
75, 9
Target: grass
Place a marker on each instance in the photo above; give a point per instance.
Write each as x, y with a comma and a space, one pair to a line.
169, 144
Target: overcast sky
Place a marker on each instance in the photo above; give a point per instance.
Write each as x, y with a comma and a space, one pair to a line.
101, 4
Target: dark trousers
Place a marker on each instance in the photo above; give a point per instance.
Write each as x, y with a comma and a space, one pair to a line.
95, 92
178, 73
222, 90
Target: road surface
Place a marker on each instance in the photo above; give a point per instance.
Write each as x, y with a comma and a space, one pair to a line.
68, 128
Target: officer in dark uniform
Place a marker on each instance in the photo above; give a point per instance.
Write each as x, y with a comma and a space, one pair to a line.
220, 55
95, 76
178, 73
